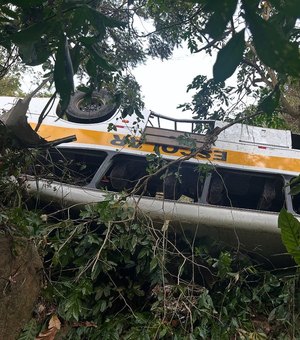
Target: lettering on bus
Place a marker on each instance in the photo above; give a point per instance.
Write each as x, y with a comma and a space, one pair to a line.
213, 155
125, 140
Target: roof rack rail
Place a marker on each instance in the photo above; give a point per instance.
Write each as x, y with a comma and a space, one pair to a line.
168, 133
193, 122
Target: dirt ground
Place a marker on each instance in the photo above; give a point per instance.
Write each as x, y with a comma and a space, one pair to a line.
20, 284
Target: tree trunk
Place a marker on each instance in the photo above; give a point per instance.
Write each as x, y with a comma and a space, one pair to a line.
20, 284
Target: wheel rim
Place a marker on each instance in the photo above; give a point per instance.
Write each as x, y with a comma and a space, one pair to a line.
90, 104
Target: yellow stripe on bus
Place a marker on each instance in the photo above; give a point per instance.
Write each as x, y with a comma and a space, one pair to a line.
114, 139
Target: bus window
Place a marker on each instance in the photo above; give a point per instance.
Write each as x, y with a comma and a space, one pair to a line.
183, 182
124, 175
246, 190
71, 166
295, 198
296, 203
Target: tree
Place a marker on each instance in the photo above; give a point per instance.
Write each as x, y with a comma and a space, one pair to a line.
10, 86
100, 38
113, 297
95, 38
257, 39
10, 74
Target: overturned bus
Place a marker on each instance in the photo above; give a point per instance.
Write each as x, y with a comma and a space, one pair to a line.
231, 193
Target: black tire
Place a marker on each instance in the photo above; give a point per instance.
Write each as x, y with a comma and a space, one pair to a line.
97, 108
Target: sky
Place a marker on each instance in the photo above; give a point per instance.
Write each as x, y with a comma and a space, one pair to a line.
164, 83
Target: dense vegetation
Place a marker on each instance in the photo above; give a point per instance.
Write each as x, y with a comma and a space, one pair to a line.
107, 273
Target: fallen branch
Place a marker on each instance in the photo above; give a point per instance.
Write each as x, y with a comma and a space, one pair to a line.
210, 139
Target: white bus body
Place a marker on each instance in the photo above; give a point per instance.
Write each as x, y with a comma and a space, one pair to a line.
250, 166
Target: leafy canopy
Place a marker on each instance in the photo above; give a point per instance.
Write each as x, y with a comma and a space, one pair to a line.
259, 40
101, 39
88, 38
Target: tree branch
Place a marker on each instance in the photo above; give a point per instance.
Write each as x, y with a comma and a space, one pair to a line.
260, 72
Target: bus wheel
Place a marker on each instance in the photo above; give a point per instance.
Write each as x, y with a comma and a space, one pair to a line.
96, 108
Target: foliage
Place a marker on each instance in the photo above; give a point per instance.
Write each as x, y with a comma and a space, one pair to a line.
10, 86
97, 40
111, 279
211, 100
107, 263
260, 58
40, 31
231, 55
273, 121
110, 274
10, 74
30, 331
290, 226
290, 233
100, 39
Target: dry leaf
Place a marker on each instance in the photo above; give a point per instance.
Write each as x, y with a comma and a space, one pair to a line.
47, 334
54, 322
53, 327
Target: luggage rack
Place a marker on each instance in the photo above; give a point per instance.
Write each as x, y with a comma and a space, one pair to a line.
194, 123
165, 130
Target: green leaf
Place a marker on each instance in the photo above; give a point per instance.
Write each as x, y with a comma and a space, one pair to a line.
295, 190
229, 57
272, 46
295, 186
84, 89
270, 102
75, 54
89, 40
134, 241
31, 34
63, 73
99, 20
87, 14
290, 7
30, 331
98, 59
103, 305
163, 332
91, 67
27, 3
28, 54
290, 233
7, 11
223, 11
153, 264
34, 53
